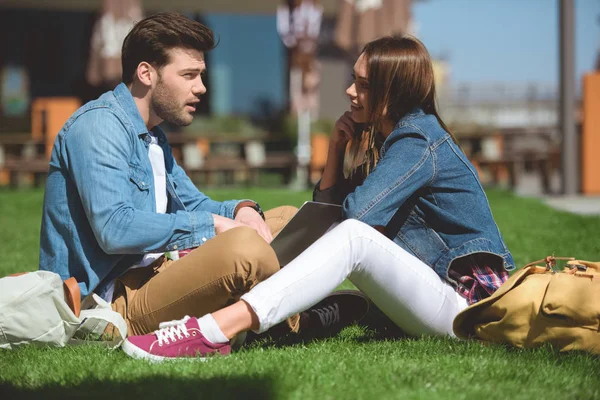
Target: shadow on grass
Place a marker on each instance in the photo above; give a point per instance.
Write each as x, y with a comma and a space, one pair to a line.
148, 388
375, 326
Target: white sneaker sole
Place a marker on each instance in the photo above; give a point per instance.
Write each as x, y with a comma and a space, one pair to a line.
135, 352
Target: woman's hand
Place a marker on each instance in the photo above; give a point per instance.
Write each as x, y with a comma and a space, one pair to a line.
343, 130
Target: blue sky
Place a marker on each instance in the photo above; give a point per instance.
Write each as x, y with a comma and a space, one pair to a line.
486, 41
512, 41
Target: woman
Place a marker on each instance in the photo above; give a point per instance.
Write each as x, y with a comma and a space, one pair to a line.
419, 238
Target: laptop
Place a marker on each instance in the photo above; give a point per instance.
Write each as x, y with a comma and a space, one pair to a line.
311, 222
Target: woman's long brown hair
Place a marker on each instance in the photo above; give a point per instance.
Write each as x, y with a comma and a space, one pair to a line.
400, 76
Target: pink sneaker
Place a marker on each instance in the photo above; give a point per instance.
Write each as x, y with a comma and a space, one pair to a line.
174, 339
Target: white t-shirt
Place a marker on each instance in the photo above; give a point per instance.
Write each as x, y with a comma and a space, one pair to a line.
157, 160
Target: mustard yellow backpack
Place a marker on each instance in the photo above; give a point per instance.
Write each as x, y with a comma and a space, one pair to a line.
538, 305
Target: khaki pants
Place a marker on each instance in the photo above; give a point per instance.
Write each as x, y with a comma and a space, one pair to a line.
211, 277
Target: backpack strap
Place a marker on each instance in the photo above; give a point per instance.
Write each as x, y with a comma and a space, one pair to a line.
73, 295
401, 215
550, 262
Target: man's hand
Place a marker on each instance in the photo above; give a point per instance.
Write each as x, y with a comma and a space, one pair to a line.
223, 224
249, 217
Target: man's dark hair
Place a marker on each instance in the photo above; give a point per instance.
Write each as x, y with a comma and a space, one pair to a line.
152, 38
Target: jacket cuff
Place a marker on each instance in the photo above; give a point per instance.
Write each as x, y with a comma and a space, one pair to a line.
203, 227
228, 208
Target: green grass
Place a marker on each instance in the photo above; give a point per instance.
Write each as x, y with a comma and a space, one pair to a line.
357, 363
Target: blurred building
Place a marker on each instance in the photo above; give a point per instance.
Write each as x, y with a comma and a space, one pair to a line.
499, 105
50, 45
343, 34
66, 48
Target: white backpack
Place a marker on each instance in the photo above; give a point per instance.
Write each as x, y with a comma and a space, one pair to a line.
39, 308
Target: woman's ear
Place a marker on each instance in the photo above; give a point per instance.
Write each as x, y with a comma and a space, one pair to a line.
145, 73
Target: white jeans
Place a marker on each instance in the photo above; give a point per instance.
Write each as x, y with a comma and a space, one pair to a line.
402, 286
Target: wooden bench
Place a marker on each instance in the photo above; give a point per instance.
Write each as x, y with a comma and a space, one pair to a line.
23, 160
210, 167
505, 152
20, 169
237, 160
514, 166
281, 162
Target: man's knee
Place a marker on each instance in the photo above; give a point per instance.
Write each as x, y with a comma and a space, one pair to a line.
250, 254
278, 217
283, 212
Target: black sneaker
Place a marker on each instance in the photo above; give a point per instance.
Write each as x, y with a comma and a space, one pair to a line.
333, 313
326, 318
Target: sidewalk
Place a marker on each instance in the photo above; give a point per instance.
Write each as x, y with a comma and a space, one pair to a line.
584, 205
529, 186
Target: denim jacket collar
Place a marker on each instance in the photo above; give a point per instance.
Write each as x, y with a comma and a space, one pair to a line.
158, 132
412, 114
126, 101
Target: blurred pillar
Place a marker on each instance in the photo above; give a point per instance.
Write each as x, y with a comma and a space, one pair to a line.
360, 21
222, 78
590, 135
117, 19
597, 66
569, 159
299, 26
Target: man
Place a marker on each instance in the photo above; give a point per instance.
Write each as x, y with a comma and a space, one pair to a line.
120, 214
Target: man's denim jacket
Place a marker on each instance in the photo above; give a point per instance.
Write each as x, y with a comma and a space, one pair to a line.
99, 213
448, 217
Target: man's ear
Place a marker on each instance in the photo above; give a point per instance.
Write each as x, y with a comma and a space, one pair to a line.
145, 73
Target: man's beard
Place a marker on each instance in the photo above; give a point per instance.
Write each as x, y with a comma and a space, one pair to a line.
167, 108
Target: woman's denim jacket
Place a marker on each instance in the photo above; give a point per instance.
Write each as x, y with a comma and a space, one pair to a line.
448, 215
99, 212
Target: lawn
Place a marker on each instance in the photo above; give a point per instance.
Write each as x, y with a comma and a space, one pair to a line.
357, 363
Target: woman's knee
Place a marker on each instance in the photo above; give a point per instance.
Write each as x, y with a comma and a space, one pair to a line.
354, 226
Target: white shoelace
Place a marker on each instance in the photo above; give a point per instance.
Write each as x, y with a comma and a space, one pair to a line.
172, 330
328, 315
